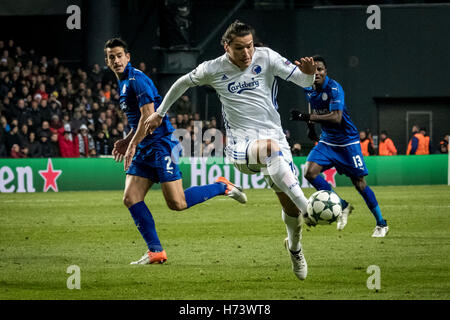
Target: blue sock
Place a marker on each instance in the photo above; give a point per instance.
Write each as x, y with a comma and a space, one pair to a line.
146, 225
321, 184
199, 194
372, 204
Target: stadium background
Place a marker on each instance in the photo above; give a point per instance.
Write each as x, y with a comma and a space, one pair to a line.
385, 73
220, 249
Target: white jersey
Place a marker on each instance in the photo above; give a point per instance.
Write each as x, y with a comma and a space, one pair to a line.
249, 97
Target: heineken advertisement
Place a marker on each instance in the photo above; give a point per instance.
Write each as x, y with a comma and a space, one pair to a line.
62, 174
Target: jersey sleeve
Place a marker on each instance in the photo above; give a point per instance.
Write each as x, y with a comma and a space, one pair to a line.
337, 98
145, 90
199, 76
286, 70
281, 67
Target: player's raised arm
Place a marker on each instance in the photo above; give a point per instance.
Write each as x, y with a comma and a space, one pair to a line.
306, 65
302, 72
175, 92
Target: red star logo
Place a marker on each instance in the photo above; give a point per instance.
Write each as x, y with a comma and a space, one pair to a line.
329, 176
50, 176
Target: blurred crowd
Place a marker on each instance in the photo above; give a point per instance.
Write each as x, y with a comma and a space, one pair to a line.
419, 144
50, 110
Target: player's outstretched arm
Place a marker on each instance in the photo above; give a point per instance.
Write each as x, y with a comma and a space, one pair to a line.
306, 65
334, 116
305, 75
175, 92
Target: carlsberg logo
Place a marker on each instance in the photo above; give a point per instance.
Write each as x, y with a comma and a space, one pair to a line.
234, 87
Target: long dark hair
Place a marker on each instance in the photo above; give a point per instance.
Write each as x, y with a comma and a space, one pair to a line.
236, 29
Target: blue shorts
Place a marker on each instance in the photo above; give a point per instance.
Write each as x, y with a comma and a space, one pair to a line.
158, 161
347, 159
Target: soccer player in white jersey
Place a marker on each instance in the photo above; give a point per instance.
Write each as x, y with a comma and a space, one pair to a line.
244, 79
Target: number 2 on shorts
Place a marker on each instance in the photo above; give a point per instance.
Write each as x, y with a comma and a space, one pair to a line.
169, 162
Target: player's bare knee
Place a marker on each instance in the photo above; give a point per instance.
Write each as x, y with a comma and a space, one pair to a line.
128, 201
311, 171
310, 175
359, 183
177, 205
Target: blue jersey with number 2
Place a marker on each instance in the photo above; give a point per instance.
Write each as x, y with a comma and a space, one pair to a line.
156, 156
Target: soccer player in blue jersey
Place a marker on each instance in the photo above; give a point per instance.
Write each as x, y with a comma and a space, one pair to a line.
149, 159
338, 145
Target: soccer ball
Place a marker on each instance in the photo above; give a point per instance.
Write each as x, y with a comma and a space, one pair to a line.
324, 207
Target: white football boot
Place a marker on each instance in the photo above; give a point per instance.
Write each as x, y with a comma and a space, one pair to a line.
380, 231
233, 191
152, 257
144, 260
299, 265
342, 219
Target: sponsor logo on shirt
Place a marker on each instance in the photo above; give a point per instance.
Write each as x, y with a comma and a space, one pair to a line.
239, 87
224, 77
322, 110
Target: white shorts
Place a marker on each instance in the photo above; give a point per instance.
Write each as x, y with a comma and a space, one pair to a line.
238, 155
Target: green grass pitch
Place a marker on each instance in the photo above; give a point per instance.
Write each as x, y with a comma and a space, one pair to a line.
221, 249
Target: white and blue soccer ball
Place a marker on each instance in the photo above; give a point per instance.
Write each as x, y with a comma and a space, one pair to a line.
324, 207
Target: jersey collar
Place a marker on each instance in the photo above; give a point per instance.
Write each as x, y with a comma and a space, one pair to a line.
126, 71
325, 83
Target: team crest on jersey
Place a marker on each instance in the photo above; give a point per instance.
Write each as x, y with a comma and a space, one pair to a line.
324, 96
256, 69
124, 88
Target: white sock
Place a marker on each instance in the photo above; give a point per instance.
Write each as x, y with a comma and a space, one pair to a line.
281, 174
293, 228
